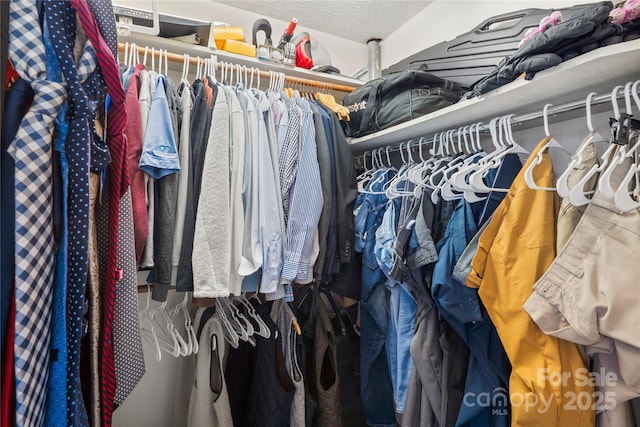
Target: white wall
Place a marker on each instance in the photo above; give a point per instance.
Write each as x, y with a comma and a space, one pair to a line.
346, 55
151, 403
446, 19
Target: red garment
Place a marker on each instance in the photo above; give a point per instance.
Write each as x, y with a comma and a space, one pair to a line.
134, 150
8, 398
12, 75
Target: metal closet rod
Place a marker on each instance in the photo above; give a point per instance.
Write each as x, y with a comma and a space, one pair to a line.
559, 109
176, 57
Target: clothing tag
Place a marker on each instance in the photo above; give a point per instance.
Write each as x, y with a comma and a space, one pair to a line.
120, 273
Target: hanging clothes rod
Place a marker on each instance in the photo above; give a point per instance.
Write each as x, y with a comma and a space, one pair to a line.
515, 120
176, 57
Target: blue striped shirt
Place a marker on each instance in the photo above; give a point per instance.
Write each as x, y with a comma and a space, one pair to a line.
306, 202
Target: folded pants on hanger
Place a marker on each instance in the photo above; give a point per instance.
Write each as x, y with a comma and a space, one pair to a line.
592, 291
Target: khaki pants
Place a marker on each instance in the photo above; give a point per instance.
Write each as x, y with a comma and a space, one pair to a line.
591, 292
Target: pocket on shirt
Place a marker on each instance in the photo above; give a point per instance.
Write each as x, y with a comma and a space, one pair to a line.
541, 236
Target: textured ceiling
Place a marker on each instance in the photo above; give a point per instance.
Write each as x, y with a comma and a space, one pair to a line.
357, 20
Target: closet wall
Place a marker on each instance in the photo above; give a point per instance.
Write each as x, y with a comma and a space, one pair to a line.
152, 403
444, 20
346, 55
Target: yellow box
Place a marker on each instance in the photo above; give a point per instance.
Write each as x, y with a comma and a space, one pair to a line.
220, 34
241, 48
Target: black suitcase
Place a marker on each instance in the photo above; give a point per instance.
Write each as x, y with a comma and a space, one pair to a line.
475, 54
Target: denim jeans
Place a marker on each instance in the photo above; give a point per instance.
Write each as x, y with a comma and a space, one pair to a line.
402, 325
402, 306
414, 250
375, 379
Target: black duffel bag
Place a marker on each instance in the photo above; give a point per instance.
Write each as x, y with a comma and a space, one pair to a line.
396, 98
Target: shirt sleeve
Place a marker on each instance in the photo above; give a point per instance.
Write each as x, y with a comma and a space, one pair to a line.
159, 156
270, 230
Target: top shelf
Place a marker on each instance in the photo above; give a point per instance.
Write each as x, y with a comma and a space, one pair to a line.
596, 71
205, 52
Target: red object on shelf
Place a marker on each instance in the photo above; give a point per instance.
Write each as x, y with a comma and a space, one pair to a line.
303, 53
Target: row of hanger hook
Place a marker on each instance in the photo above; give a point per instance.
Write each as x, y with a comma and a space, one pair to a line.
500, 128
230, 73
458, 164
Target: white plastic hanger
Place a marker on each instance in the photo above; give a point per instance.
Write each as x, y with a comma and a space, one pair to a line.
445, 169
147, 329
528, 173
191, 341
160, 60
622, 197
416, 174
578, 194
198, 67
513, 147
243, 322
136, 56
125, 57
442, 147
163, 333
447, 187
223, 306
144, 60
562, 184
491, 160
263, 329
381, 177
459, 179
392, 190
230, 334
185, 70
365, 176
604, 183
